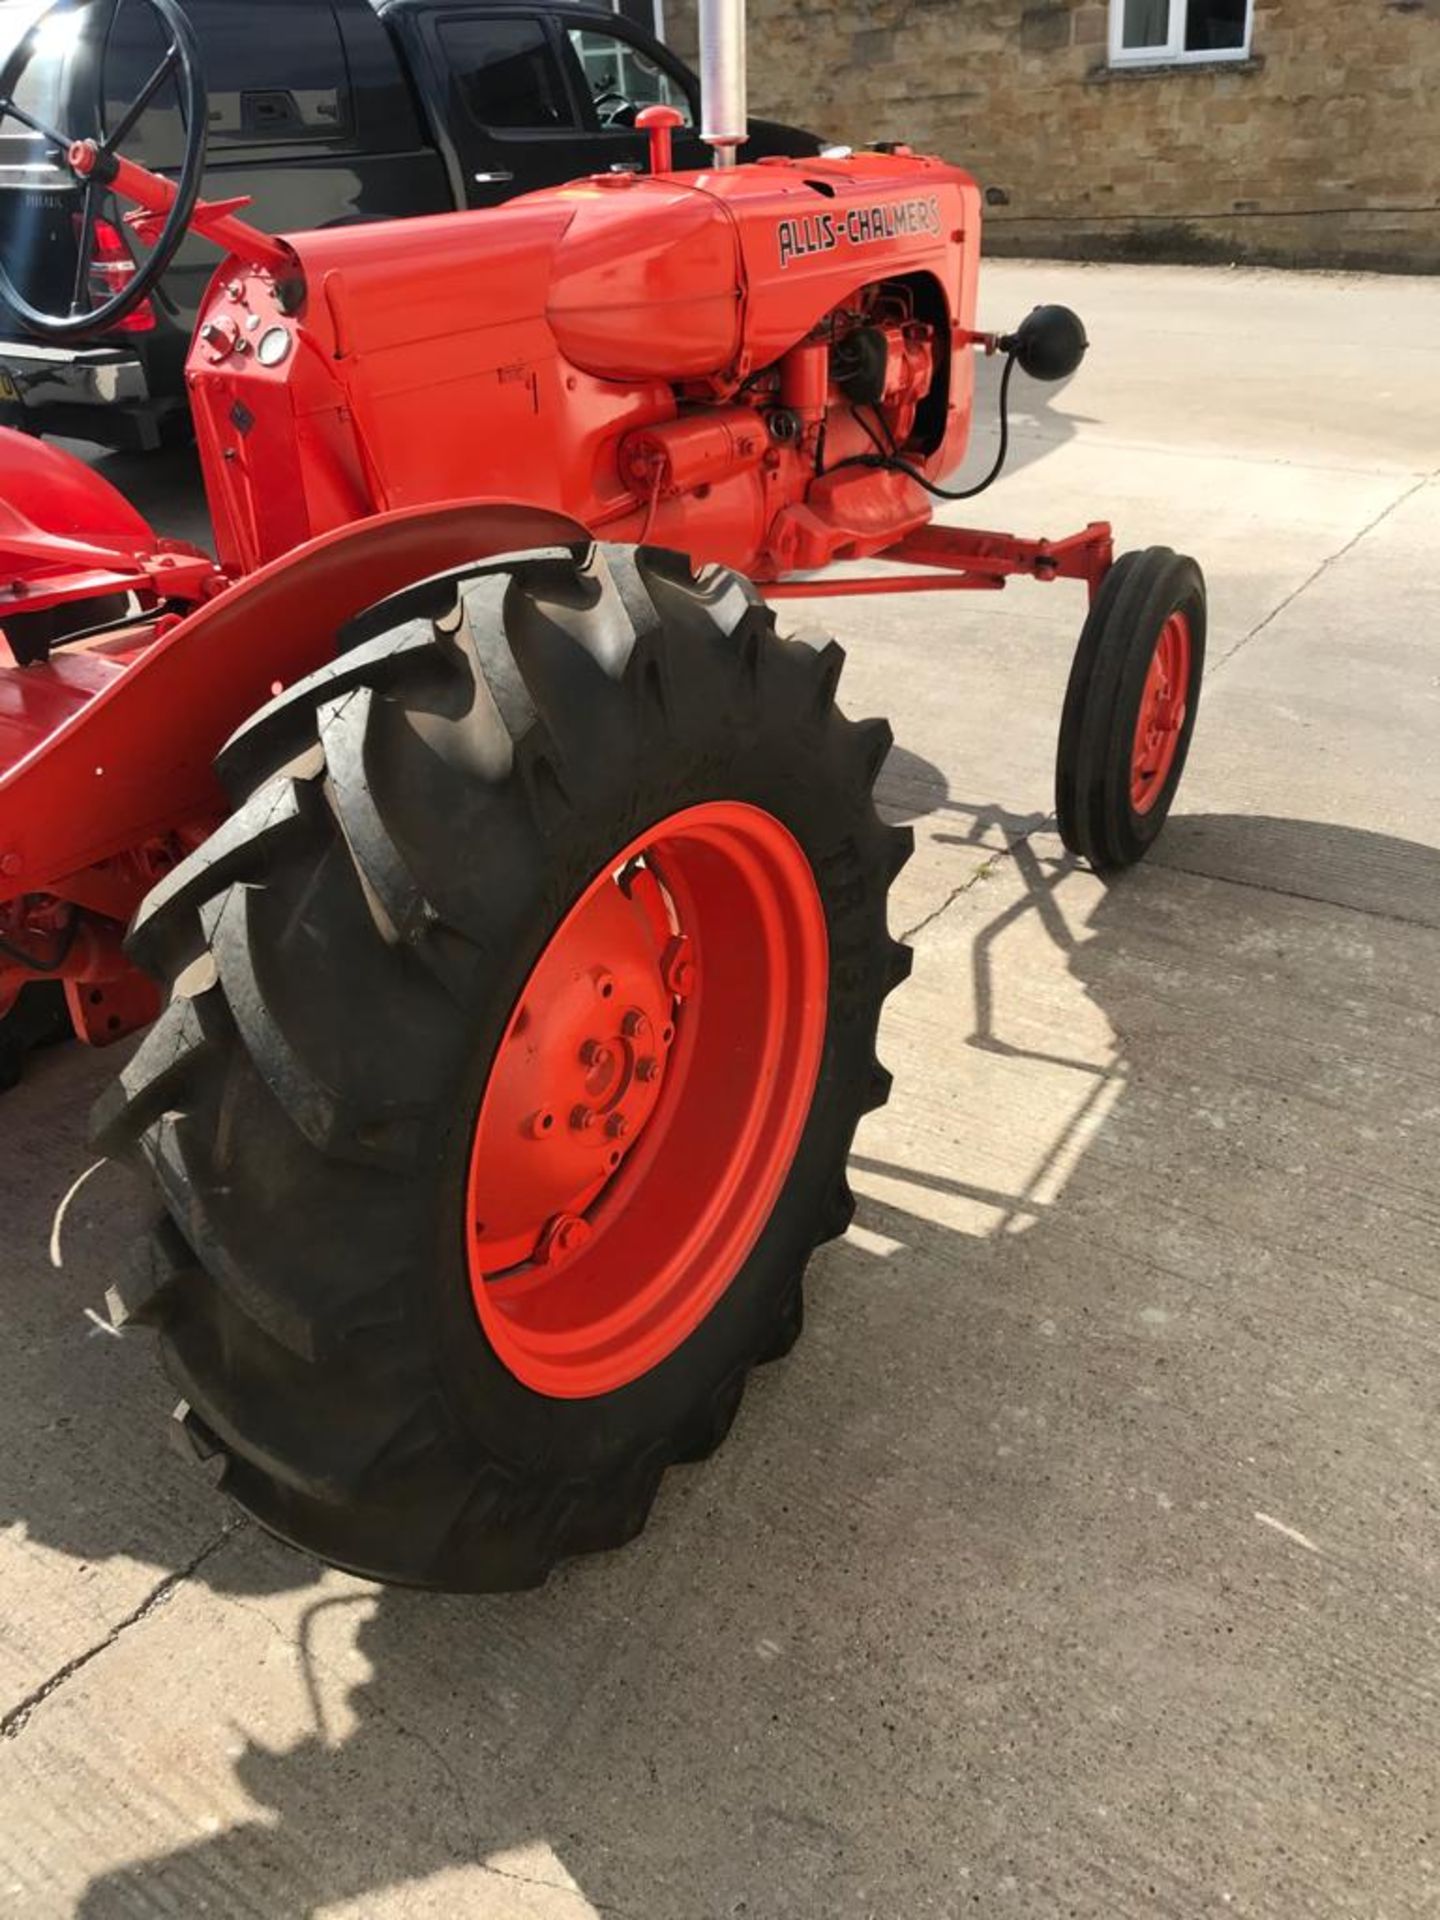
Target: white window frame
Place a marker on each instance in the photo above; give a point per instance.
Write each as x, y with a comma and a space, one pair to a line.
1174, 52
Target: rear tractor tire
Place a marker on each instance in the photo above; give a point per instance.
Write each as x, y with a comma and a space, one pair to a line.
520, 1019
1130, 708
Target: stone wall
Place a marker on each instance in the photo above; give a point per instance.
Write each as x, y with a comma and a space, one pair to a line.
1322, 149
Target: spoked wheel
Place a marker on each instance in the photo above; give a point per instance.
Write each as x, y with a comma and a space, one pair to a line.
1130, 707
180, 69
521, 1017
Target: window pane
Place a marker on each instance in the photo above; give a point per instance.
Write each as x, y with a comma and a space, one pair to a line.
622, 78
1146, 23
1213, 24
506, 72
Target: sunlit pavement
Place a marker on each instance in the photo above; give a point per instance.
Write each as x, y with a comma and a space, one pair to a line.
1082, 1559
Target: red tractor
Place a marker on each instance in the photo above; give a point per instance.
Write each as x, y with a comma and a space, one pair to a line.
504, 896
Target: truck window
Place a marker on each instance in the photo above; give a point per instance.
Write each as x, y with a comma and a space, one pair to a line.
506, 72
275, 70
622, 78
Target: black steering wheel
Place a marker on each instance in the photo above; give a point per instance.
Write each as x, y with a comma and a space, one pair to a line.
614, 109
181, 60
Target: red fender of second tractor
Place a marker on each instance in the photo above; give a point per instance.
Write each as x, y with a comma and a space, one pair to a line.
73, 524
121, 754
64, 496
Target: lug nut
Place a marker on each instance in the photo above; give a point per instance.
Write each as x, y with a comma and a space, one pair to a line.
617, 1126
566, 1234
633, 1023
594, 1054
647, 1068
582, 1118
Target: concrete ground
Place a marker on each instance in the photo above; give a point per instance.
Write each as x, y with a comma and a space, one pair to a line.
1082, 1559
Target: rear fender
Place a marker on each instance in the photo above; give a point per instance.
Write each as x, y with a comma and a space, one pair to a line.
65, 534
96, 759
45, 489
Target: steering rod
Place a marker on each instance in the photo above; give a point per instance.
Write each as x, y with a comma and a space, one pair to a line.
155, 195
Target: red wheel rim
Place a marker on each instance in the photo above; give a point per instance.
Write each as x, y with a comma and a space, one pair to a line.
1162, 714
647, 1099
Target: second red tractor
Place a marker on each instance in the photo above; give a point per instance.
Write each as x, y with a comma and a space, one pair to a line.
504, 895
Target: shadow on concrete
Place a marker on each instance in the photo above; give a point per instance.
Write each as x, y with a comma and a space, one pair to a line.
482, 1731
1039, 424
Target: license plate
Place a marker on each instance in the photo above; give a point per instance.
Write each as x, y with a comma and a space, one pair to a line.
8, 389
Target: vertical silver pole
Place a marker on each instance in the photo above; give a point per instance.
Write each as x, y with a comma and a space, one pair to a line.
724, 123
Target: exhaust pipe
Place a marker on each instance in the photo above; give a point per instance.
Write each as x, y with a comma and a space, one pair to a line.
724, 122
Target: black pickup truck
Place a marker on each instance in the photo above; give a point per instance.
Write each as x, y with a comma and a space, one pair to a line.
322, 111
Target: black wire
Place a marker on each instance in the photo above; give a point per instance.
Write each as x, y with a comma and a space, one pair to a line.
891, 462
52, 965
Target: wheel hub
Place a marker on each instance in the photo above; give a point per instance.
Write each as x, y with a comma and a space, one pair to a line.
1163, 705
647, 1098
579, 1076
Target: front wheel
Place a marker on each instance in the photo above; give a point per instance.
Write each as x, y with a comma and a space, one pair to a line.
1130, 707
521, 1018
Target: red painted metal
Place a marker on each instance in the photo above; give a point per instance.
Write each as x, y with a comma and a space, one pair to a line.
76, 936
967, 561
566, 321
660, 123
647, 1100
82, 779
1163, 705
64, 497
1087, 555
154, 196
632, 357
76, 537
118, 1001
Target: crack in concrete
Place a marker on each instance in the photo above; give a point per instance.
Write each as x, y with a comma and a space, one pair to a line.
982, 872
587, 1900
14, 1722
1330, 560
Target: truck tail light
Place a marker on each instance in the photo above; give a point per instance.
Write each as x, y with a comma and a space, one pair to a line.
112, 266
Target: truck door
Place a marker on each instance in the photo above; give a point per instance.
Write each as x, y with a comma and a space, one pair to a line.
510, 110
618, 69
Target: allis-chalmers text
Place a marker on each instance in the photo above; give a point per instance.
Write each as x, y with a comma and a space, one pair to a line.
822, 232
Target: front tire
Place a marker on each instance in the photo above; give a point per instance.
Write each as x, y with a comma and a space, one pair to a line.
354, 962
1130, 708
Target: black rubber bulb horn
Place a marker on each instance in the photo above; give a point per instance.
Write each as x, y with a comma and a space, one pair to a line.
1049, 343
